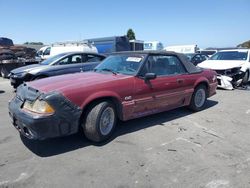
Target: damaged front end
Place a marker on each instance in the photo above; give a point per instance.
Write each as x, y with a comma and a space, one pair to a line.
230, 78
39, 116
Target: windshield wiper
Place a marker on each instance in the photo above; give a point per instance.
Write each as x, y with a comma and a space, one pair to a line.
108, 70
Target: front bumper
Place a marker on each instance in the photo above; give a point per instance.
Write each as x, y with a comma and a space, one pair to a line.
35, 127
64, 121
230, 81
15, 82
18, 79
225, 82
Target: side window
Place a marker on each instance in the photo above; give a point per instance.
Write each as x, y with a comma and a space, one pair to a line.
159, 46
175, 66
163, 66
197, 58
94, 58
76, 59
204, 57
147, 67
47, 51
64, 61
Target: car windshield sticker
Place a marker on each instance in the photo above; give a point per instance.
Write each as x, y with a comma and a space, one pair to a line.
134, 59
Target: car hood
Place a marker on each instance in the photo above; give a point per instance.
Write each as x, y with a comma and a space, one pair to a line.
73, 82
29, 68
221, 64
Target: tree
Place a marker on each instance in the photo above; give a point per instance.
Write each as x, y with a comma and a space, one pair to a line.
245, 44
131, 34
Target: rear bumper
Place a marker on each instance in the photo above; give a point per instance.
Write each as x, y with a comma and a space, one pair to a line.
64, 121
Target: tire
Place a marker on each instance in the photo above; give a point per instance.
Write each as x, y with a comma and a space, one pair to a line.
199, 98
94, 123
4, 72
245, 78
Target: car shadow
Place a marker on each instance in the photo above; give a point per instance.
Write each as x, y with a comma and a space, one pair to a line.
245, 87
56, 146
1, 91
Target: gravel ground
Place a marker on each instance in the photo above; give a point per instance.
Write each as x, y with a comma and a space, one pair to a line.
209, 149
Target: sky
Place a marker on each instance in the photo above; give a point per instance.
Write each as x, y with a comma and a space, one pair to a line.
207, 23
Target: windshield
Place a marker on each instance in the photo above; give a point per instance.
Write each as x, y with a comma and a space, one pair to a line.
52, 59
209, 52
230, 55
39, 53
123, 64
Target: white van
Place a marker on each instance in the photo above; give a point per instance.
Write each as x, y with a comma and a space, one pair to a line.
153, 45
58, 48
183, 48
40, 52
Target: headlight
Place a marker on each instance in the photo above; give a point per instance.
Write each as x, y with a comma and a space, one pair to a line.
19, 75
39, 106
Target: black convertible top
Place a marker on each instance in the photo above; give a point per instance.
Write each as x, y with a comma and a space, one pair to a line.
189, 66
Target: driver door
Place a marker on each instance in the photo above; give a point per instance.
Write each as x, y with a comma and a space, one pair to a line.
164, 92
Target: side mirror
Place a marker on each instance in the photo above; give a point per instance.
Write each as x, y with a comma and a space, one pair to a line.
150, 76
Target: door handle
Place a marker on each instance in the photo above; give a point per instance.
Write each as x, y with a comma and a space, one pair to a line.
180, 81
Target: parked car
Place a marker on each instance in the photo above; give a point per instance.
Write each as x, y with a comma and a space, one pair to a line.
208, 53
63, 63
232, 67
6, 42
196, 58
124, 86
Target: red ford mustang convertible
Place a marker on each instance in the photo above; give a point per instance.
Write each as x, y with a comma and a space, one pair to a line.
124, 86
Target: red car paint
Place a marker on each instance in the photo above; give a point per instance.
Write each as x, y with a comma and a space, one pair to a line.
136, 97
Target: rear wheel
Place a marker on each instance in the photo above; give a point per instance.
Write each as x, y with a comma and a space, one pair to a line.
100, 121
199, 98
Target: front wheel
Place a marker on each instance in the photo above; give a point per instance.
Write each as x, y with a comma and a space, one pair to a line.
199, 98
245, 78
100, 121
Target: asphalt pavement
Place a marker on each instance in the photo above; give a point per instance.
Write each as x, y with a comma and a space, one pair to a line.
179, 148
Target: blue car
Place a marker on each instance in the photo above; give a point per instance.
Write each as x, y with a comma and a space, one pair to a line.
64, 63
